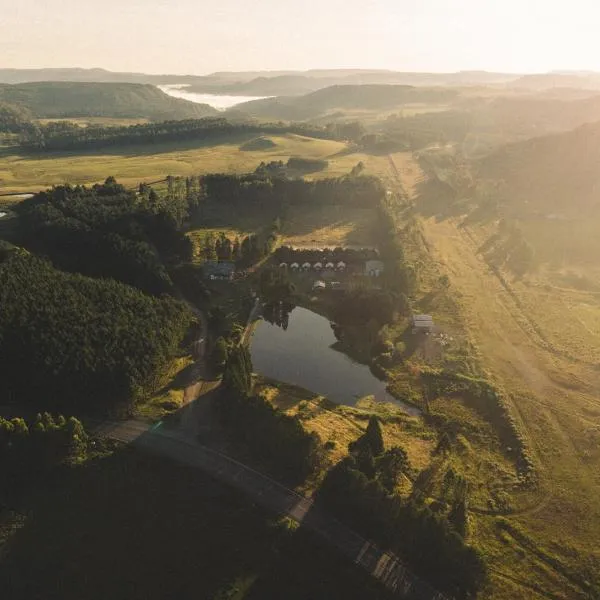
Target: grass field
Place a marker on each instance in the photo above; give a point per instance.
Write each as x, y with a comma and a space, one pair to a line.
547, 544
96, 121
330, 225
131, 526
133, 164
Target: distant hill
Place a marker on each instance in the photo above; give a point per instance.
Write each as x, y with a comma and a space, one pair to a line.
544, 81
554, 174
261, 83
123, 100
340, 97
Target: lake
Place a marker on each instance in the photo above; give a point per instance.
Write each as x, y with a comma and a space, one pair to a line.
219, 102
303, 355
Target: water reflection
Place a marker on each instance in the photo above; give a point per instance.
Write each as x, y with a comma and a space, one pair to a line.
295, 345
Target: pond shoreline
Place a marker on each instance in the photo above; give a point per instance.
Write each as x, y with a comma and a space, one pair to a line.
301, 351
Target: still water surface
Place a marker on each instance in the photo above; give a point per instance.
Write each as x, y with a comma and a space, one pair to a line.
178, 90
303, 355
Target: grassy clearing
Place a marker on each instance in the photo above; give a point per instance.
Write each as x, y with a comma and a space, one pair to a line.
171, 396
96, 121
554, 401
132, 164
330, 226
339, 425
135, 527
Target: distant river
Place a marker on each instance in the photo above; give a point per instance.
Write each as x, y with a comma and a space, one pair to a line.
177, 90
303, 355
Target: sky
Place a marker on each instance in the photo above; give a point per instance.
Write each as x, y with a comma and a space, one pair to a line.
203, 36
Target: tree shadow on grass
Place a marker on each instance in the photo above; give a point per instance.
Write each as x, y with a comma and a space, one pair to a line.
134, 526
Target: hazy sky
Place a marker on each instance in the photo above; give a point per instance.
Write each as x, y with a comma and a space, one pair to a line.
200, 36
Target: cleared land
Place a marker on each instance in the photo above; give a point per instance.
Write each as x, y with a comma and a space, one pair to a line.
133, 164
547, 545
329, 225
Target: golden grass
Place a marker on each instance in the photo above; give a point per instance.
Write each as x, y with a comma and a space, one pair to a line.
132, 164
96, 121
344, 424
330, 225
555, 400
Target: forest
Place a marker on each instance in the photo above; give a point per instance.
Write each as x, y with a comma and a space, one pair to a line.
69, 136
106, 231
69, 342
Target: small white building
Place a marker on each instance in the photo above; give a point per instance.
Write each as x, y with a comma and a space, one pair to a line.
422, 323
319, 285
294, 266
318, 266
330, 266
306, 266
341, 266
283, 265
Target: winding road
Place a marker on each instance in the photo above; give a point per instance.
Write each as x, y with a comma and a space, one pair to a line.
181, 445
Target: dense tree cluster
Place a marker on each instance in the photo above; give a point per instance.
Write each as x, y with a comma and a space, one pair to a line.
105, 231
277, 440
243, 251
68, 341
16, 119
271, 195
69, 136
42, 443
360, 491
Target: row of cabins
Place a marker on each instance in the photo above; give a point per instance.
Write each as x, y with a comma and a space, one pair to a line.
373, 268
318, 266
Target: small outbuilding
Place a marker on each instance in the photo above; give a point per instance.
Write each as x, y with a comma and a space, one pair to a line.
341, 266
215, 270
422, 323
294, 266
319, 285
318, 266
283, 265
330, 266
306, 266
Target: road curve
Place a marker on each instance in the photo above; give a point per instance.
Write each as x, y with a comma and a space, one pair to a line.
270, 494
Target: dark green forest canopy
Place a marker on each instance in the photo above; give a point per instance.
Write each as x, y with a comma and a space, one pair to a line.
106, 231
69, 136
85, 99
68, 341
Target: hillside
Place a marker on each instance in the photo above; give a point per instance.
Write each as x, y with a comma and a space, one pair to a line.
345, 97
543, 81
124, 100
550, 174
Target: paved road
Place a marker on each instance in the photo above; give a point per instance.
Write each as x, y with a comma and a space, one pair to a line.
180, 446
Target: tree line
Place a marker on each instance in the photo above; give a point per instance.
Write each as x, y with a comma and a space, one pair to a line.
277, 440
69, 136
360, 490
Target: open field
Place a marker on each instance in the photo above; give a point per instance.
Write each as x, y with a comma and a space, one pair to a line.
133, 164
162, 530
96, 121
548, 545
330, 226
344, 424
